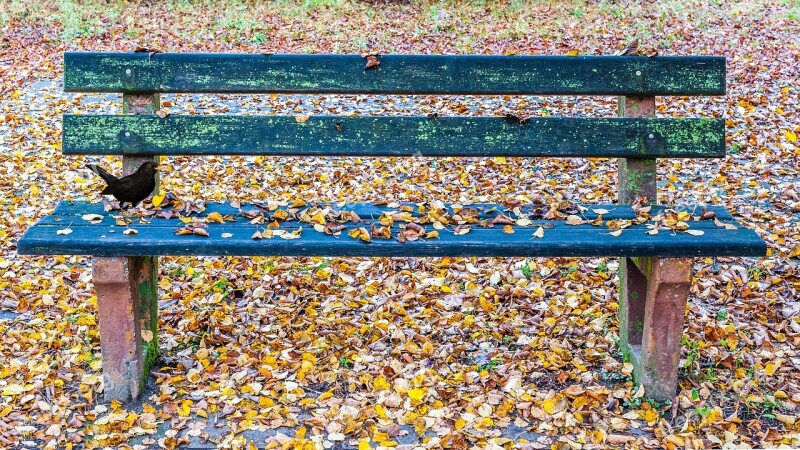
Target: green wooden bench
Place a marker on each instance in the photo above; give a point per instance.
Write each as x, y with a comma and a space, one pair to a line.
655, 268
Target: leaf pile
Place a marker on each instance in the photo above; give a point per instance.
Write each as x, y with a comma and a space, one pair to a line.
447, 352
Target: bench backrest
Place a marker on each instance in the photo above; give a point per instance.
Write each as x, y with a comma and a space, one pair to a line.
640, 138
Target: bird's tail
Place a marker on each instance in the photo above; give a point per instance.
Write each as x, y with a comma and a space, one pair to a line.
102, 172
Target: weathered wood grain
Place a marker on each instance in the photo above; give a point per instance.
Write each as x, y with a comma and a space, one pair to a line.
393, 136
397, 74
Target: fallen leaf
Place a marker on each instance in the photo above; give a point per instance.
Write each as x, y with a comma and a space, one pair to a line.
372, 62
94, 218
631, 49
156, 200
575, 220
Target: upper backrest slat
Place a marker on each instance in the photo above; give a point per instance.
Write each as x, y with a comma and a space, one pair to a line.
396, 74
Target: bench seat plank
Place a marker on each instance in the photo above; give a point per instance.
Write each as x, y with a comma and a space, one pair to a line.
396, 74
394, 136
560, 239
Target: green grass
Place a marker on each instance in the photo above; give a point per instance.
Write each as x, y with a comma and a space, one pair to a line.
794, 13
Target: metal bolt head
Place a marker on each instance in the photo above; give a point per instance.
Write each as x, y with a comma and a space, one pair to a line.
651, 136
128, 72
128, 134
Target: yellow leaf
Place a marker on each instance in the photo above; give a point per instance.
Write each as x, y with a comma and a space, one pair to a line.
460, 423
508, 229
380, 411
281, 214
184, 408
771, 368
790, 136
13, 389
416, 394
363, 445
301, 119
380, 384
157, 199
300, 433
555, 404
215, 217
574, 52
427, 348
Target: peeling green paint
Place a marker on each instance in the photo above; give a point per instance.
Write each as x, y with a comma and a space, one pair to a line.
394, 136
398, 74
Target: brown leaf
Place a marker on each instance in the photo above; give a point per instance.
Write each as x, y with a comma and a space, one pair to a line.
372, 62
631, 49
552, 213
333, 228
416, 228
502, 219
140, 49
461, 229
707, 215
381, 232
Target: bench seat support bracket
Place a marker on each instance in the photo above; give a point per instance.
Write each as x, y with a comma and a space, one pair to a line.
654, 293
127, 305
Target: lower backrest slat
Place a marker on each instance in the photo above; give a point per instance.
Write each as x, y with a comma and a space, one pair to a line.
394, 136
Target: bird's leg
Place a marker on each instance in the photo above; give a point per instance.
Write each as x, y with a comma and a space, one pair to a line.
123, 209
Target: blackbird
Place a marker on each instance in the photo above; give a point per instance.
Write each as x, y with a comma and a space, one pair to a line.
130, 189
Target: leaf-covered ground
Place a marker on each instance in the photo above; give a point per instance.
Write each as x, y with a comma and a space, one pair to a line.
349, 352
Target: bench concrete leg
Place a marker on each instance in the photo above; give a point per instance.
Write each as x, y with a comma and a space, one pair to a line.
653, 299
127, 302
